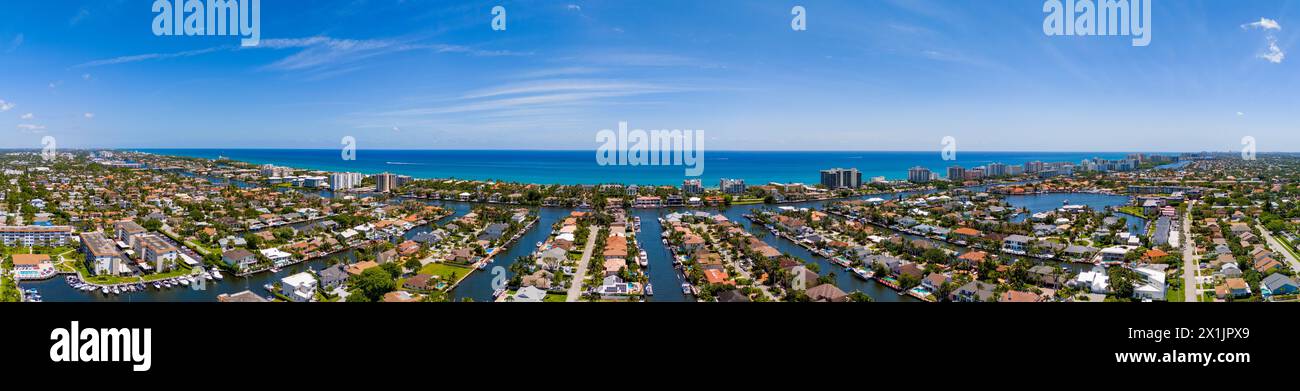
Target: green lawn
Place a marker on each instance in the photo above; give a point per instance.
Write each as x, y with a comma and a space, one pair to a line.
445, 271
554, 298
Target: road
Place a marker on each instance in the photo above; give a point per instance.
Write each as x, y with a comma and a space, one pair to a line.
575, 288
1191, 288
1279, 249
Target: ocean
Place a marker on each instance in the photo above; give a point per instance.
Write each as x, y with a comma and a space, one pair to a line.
580, 167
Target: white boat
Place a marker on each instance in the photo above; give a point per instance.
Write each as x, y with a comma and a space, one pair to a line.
103, 290
863, 273
649, 289
686, 288
217, 274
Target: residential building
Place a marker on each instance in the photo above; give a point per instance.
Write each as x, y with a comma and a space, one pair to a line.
692, 186
385, 182
732, 186
1016, 244
102, 255
299, 287
956, 173
35, 235
154, 250
841, 178
126, 231
278, 257
918, 174
345, 180
239, 258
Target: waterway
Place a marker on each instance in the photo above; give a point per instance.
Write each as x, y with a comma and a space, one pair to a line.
667, 282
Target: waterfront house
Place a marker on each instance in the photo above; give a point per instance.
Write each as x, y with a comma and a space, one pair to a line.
278, 257
540, 279
965, 233
461, 255
356, 268
1095, 281
827, 293
717, 276
239, 258
552, 258
972, 259
529, 294
241, 297
1016, 244
973, 291
400, 297
1079, 252
910, 269
386, 256
1115, 254
299, 287
1044, 274
1019, 297
418, 282
732, 296
333, 276
933, 282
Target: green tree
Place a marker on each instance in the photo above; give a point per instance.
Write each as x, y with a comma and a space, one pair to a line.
373, 283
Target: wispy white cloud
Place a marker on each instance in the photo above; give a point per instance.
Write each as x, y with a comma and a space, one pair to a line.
81, 15
28, 116
88, 115
539, 95
147, 56
5, 106
1273, 53
321, 56
1263, 23
34, 128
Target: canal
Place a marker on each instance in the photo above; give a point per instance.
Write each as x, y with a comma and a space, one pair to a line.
478, 286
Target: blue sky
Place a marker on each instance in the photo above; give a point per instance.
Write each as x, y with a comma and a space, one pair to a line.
866, 75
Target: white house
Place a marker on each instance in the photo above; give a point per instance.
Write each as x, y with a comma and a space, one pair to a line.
278, 257
1153, 285
299, 287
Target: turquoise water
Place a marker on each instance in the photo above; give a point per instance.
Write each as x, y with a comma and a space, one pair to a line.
580, 167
